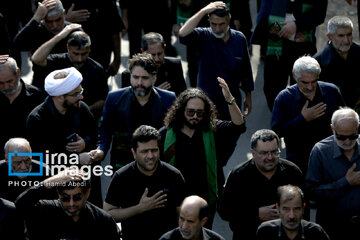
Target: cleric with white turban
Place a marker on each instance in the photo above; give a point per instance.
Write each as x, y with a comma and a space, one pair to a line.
63, 81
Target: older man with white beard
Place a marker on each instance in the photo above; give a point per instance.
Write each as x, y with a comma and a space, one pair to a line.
333, 177
339, 60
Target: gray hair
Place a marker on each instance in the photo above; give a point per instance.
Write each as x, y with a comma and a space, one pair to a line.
19, 144
150, 39
338, 22
11, 64
59, 9
306, 64
289, 192
265, 135
344, 113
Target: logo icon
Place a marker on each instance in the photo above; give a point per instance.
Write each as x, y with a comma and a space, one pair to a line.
38, 155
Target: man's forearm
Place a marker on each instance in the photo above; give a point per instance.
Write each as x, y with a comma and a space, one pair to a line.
192, 23
40, 55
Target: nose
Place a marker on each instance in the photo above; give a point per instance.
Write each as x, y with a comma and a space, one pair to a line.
81, 96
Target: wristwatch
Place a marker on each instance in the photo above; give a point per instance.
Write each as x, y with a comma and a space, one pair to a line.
231, 101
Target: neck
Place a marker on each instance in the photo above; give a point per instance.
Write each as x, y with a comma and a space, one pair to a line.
349, 153
59, 106
291, 234
143, 100
227, 36
76, 218
13, 96
343, 55
188, 131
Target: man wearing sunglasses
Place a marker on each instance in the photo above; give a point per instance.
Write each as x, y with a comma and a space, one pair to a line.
70, 216
198, 144
333, 177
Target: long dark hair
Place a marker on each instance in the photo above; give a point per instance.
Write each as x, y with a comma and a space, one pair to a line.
175, 117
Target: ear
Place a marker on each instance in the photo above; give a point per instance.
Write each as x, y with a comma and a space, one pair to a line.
142, 50
154, 78
252, 152
328, 35
133, 153
332, 128
87, 194
277, 206
203, 221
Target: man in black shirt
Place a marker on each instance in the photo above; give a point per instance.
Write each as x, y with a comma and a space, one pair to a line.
291, 207
17, 99
249, 194
70, 216
198, 144
145, 195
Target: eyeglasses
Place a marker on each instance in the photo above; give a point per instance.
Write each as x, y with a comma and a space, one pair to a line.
18, 162
344, 137
76, 94
191, 112
75, 198
274, 153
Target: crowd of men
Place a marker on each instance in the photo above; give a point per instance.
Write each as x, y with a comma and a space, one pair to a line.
168, 142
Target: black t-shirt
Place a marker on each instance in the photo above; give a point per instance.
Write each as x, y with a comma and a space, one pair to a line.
128, 185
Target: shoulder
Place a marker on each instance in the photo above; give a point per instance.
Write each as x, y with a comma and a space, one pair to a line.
118, 94
270, 224
243, 168
325, 144
327, 86
169, 169
211, 235
171, 235
33, 91
165, 95
172, 60
287, 165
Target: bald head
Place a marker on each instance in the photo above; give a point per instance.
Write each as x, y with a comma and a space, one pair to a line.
195, 204
193, 216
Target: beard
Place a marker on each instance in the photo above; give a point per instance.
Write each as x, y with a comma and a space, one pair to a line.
12, 90
75, 105
143, 93
194, 123
345, 146
220, 35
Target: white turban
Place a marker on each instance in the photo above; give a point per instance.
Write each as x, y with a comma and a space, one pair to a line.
61, 86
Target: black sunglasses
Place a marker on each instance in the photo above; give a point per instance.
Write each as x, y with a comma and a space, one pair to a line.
344, 137
75, 198
191, 112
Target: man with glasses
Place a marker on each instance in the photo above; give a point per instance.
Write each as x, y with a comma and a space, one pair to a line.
250, 191
63, 123
333, 177
70, 216
302, 112
198, 144
77, 55
12, 186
